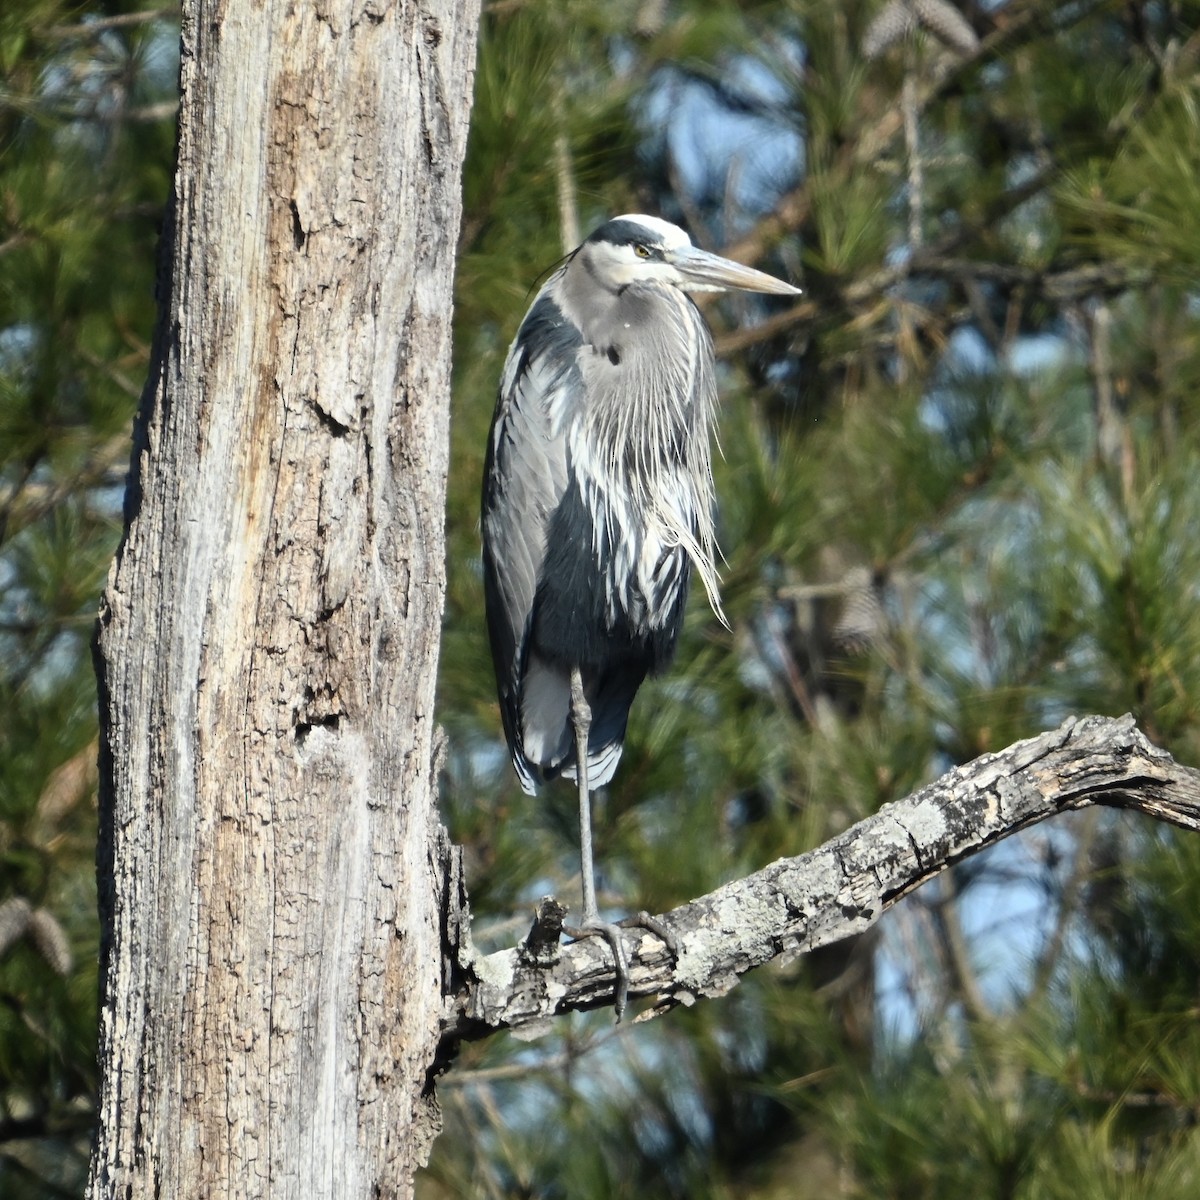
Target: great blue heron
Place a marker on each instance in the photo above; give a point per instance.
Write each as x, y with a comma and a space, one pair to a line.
598, 501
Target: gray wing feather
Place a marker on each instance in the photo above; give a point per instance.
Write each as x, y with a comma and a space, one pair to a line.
525, 478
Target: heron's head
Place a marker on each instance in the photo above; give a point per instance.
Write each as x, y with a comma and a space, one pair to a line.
640, 249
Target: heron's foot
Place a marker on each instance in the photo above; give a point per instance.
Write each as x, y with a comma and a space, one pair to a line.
643, 920
595, 927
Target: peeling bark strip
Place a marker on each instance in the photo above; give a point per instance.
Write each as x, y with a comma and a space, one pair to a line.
270, 861
798, 904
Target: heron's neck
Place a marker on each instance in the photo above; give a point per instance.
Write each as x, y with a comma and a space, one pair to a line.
649, 403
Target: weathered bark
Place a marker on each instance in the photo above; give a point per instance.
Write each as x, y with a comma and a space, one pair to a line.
271, 868
798, 904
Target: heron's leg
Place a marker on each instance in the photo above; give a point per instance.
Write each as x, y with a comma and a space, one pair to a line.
581, 720
659, 928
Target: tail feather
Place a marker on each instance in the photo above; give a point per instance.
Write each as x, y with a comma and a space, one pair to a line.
546, 747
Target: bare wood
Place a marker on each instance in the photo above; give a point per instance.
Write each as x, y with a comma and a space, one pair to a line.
798, 904
271, 868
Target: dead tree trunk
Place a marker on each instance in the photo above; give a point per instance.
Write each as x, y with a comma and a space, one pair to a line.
270, 861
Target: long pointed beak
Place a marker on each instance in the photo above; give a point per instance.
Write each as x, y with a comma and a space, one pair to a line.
704, 272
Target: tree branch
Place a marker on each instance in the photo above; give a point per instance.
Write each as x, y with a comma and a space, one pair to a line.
836, 891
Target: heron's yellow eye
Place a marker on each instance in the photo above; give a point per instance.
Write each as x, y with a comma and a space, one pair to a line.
641, 251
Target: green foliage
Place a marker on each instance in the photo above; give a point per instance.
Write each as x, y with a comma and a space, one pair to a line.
1137, 205
84, 166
